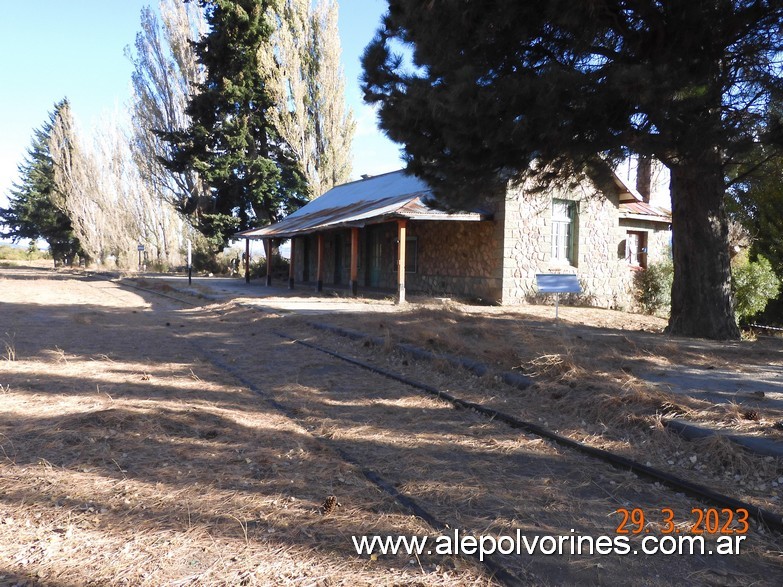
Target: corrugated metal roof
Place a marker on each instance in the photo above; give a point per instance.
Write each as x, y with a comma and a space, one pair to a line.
398, 195
644, 211
391, 195
632, 204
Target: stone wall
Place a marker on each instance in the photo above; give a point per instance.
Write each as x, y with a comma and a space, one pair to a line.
658, 238
497, 261
599, 259
453, 258
457, 258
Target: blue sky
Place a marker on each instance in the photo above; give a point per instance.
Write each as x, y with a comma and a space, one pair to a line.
50, 49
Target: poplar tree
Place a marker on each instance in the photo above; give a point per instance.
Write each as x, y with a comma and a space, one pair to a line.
303, 73
503, 90
34, 209
101, 189
253, 176
165, 75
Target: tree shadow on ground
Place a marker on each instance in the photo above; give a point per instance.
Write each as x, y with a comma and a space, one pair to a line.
255, 466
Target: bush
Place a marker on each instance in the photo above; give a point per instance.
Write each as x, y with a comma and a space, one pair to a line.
13, 253
653, 286
279, 267
753, 284
206, 260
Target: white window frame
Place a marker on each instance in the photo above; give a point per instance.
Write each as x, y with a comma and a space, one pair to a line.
563, 232
636, 258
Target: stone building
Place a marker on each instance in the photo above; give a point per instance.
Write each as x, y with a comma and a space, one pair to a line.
361, 235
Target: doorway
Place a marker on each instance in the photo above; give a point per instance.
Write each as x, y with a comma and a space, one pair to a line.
338, 258
306, 259
374, 256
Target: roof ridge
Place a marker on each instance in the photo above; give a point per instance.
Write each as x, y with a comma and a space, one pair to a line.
367, 179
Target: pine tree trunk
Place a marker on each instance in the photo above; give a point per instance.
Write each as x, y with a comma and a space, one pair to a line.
701, 292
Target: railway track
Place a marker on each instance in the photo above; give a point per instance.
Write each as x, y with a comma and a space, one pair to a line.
496, 566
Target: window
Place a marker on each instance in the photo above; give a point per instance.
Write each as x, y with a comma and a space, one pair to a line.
636, 249
563, 231
411, 254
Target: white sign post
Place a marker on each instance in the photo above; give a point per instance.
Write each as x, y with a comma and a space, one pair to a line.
190, 265
558, 283
140, 248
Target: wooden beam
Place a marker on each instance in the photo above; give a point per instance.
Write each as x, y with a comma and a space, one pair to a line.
292, 263
247, 260
320, 271
402, 232
354, 284
268, 250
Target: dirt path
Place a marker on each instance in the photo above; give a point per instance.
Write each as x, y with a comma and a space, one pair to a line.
130, 458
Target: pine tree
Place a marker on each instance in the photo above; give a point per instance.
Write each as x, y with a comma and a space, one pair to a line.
253, 176
34, 211
492, 87
756, 199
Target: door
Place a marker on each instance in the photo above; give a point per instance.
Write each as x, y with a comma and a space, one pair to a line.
338, 258
374, 256
306, 259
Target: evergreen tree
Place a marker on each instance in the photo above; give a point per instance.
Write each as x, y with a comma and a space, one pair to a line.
757, 203
34, 211
230, 142
494, 86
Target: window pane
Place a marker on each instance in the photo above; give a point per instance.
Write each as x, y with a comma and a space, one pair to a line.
632, 248
561, 210
411, 254
561, 240
563, 221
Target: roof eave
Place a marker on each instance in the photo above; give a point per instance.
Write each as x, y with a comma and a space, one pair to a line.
260, 234
457, 217
646, 217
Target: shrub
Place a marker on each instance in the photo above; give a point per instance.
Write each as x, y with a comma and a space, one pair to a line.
13, 253
653, 286
753, 284
206, 260
279, 267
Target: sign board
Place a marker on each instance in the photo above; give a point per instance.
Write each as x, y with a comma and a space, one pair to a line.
140, 247
558, 283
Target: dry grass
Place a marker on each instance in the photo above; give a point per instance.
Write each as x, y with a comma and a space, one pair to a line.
128, 458
585, 384
142, 492
10, 349
125, 459
117, 467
